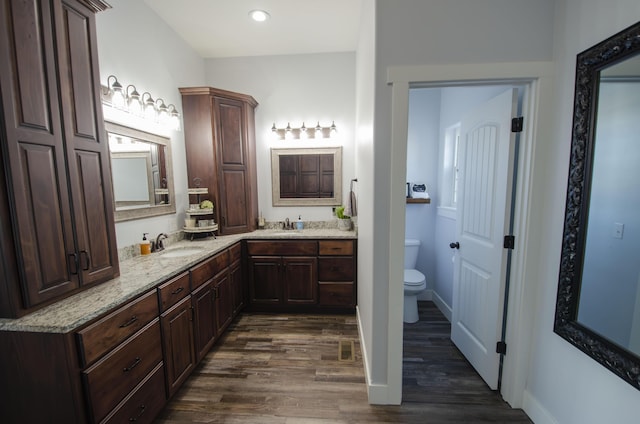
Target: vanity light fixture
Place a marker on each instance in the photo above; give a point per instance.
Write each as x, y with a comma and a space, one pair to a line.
117, 94
144, 106
303, 133
149, 106
259, 15
133, 100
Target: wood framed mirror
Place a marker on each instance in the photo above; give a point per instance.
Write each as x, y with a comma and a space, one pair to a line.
306, 177
598, 301
141, 173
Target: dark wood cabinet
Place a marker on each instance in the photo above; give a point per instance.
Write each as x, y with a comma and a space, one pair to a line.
236, 281
337, 274
220, 146
224, 301
56, 186
302, 275
204, 318
178, 342
282, 273
287, 280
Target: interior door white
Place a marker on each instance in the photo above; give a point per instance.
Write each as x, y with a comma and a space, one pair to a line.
485, 178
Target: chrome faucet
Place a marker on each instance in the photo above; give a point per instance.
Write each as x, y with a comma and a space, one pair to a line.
158, 245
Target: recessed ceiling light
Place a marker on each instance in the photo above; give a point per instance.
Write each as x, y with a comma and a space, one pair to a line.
259, 15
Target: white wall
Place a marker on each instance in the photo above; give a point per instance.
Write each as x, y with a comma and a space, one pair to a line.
422, 167
295, 89
370, 298
432, 32
564, 384
136, 46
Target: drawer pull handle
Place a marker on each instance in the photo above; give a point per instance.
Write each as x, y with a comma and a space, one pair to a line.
131, 321
142, 409
178, 290
132, 366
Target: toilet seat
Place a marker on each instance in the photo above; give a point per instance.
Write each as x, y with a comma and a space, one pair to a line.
413, 277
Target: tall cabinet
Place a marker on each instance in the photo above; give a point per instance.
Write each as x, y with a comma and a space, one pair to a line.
56, 205
219, 134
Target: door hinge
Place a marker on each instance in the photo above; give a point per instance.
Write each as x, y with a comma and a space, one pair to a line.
509, 242
516, 124
501, 348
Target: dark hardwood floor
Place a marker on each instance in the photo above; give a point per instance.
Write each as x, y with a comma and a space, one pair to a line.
286, 369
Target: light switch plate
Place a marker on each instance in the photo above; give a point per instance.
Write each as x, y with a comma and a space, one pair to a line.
618, 230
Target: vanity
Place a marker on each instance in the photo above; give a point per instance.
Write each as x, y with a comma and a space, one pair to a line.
118, 351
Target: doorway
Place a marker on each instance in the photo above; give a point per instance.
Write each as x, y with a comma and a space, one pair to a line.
436, 155
536, 78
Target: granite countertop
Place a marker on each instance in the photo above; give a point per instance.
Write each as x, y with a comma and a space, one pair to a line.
140, 274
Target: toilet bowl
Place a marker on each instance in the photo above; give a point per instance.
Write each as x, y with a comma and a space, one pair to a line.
414, 281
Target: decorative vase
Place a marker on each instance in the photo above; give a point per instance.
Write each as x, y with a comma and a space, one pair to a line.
344, 224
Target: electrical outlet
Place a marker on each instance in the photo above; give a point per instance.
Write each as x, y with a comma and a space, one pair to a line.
618, 230
333, 210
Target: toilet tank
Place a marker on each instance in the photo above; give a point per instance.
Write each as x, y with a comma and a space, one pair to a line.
411, 247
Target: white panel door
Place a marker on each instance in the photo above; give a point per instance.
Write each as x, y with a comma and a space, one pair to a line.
485, 175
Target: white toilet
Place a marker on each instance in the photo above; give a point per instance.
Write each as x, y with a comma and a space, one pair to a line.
414, 281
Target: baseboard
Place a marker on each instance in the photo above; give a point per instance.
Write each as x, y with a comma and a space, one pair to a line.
378, 394
535, 410
442, 305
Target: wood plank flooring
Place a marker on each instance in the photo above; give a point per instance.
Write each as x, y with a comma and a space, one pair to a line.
285, 369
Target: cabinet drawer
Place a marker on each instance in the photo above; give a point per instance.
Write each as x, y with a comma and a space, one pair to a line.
144, 402
335, 294
235, 253
289, 248
335, 247
173, 290
109, 380
103, 335
208, 269
335, 269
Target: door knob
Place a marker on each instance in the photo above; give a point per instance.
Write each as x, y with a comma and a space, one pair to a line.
455, 245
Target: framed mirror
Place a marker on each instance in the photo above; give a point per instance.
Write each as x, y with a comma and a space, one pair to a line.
598, 302
141, 172
306, 177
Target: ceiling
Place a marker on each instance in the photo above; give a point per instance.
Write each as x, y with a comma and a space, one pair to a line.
222, 28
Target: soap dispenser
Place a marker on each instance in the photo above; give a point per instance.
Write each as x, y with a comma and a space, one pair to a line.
145, 245
299, 223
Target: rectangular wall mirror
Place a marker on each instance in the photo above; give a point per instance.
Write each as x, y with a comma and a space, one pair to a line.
142, 173
306, 177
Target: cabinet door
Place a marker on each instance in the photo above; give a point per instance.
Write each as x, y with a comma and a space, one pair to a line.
237, 287
33, 152
265, 287
300, 280
177, 338
86, 142
224, 301
231, 153
205, 318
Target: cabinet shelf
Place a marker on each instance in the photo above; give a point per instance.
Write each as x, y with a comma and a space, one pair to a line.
199, 211
196, 230
412, 200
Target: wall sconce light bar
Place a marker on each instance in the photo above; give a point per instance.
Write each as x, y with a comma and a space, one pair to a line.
302, 133
144, 106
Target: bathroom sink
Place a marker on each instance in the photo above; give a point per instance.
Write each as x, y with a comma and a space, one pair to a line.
286, 233
180, 252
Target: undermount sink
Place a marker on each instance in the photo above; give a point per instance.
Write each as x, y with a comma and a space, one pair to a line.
286, 233
180, 252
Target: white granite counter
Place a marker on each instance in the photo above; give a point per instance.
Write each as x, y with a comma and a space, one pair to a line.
140, 274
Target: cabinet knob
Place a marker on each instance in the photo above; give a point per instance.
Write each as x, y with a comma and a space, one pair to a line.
133, 365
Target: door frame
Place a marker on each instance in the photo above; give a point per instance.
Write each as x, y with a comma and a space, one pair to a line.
536, 77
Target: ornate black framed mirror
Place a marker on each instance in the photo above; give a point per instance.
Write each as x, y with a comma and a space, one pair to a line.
598, 302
